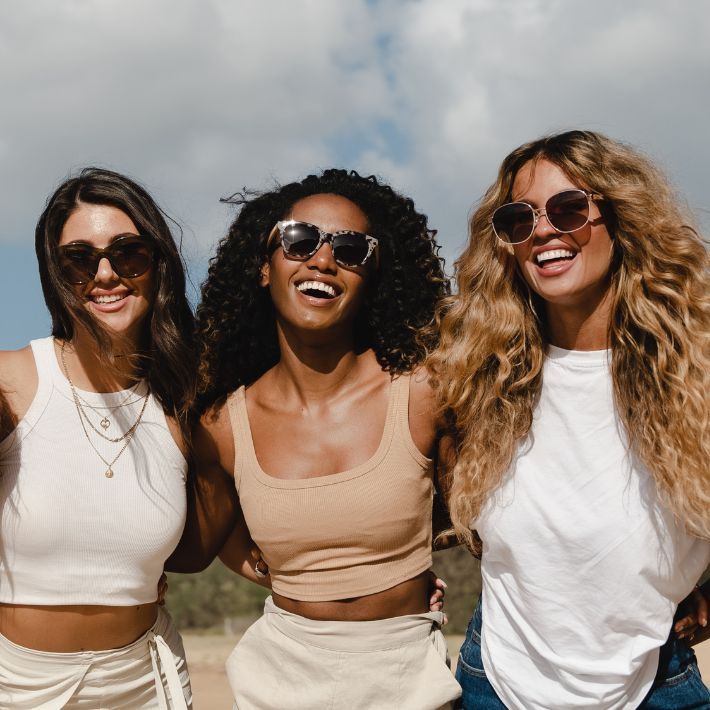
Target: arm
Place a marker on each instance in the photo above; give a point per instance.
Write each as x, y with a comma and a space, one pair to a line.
424, 424
241, 555
212, 503
442, 527
693, 612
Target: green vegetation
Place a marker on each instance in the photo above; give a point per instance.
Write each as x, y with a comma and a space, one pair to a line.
204, 601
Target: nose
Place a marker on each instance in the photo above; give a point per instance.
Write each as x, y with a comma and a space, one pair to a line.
323, 259
104, 271
542, 228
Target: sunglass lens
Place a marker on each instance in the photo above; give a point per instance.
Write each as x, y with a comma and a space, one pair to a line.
350, 248
131, 259
77, 265
568, 211
299, 241
514, 222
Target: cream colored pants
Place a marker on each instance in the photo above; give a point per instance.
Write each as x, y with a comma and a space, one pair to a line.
288, 662
149, 673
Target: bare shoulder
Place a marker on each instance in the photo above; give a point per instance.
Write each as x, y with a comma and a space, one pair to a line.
18, 379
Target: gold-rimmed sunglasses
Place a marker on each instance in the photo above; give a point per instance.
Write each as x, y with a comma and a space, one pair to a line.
566, 211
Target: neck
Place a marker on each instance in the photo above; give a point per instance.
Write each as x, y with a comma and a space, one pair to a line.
584, 327
90, 371
318, 367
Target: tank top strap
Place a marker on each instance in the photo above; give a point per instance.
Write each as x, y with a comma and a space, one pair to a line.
47, 372
399, 393
241, 432
45, 359
402, 432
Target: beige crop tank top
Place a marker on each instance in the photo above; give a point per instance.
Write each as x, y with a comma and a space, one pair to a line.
345, 534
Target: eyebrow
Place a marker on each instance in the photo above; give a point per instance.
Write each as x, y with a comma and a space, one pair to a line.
113, 239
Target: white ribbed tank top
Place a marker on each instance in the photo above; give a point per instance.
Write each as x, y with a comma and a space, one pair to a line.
68, 534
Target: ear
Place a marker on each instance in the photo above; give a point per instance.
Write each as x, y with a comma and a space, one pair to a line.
264, 274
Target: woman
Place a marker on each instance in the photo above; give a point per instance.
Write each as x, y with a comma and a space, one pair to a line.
92, 484
574, 361
307, 341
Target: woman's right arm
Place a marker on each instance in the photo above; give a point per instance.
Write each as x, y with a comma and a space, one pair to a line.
212, 504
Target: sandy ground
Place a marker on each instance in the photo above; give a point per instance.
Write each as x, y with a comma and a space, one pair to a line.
206, 656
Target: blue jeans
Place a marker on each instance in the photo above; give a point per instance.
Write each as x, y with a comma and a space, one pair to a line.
678, 685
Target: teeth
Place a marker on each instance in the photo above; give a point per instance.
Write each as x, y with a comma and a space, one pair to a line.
107, 299
316, 286
553, 254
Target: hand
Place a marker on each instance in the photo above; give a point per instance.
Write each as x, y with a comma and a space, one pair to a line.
437, 590
261, 569
162, 589
694, 615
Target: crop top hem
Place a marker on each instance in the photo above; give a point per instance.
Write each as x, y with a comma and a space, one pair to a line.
355, 593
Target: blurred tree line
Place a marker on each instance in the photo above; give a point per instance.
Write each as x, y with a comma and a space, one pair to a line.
203, 601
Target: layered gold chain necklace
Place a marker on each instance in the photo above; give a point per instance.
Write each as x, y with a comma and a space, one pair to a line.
84, 419
105, 421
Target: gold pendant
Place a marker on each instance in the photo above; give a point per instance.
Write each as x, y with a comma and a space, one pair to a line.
109, 473
105, 423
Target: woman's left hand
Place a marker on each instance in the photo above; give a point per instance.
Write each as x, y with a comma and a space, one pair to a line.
437, 590
693, 625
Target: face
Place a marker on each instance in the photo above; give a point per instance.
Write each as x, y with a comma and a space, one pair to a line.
577, 275
120, 304
318, 294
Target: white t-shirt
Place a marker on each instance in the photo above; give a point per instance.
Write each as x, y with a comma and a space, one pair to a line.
582, 566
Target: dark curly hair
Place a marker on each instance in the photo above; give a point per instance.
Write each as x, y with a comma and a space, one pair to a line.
236, 331
166, 358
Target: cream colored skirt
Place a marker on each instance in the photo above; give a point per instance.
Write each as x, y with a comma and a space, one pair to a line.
288, 662
149, 673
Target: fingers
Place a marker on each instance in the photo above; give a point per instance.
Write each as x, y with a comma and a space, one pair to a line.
702, 605
439, 583
437, 588
686, 627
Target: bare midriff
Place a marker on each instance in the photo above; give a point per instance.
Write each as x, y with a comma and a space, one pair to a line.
410, 597
69, 629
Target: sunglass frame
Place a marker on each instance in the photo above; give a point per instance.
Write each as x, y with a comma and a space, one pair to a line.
106, 253
538, 212
323, 238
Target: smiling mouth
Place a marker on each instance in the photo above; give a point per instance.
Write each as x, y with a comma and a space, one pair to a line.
553, 257
108, 298
317, 289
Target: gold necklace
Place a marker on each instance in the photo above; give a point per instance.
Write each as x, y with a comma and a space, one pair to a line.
127, 436
105, 422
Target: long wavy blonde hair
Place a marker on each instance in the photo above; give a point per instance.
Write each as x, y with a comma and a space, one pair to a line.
488, 366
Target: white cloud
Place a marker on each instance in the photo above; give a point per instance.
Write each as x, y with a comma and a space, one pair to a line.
198, 99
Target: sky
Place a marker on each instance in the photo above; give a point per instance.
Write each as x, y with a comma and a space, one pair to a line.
197, 99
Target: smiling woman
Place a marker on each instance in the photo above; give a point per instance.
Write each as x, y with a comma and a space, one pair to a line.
92, 460
575, 362
318, 433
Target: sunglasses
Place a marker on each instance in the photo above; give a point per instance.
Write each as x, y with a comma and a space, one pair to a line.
301, 241
567, 211
129, 256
